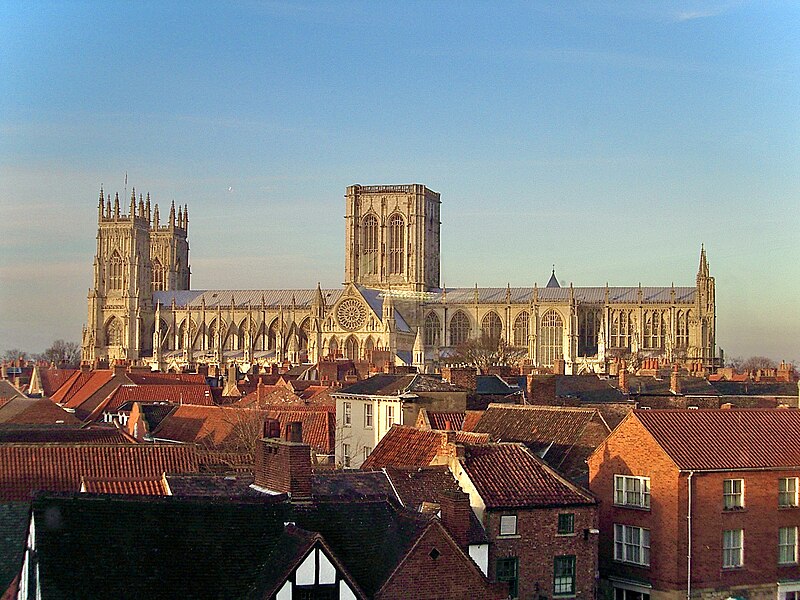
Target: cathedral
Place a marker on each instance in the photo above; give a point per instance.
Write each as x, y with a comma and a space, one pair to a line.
142, 309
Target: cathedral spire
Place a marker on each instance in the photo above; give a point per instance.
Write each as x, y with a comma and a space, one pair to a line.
133, 203
147, 208
702, 271
180, 216
155, 217
116, 205
186, 217
100, 205
141, 206
172, 215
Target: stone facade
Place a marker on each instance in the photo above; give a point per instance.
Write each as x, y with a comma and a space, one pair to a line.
141, 307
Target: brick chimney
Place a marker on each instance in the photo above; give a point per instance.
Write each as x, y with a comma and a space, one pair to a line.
559, 366
675, 381
455, 516
623, 377
284, 465
461, 376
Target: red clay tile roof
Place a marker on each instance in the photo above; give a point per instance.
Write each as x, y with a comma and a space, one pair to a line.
177, 394
153, 486
446, 420
35, 411
469, 437
52, 379
319, 426
471, 419
80, 386
509, 475
26, 468
404, 446
156, 378
725, 439
63, 434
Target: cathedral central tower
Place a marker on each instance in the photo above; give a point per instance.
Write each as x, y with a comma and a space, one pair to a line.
392, 237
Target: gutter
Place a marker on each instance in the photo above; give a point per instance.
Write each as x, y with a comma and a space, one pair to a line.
689, 536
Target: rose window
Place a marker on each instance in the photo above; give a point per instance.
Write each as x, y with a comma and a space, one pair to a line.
351, 314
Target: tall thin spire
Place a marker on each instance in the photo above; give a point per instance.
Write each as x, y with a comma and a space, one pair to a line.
133, 203
116, 205
155, 217
172, 214
100, 204
186, 217
703, 269
147, 208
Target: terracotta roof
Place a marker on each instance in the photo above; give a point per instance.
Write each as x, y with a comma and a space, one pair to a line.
52, 379
471, 418
177, 394
26, 468
63, 434
319, 427
725, 439
35, 411
404, 446
153, 486
549, 431
80, 386
157, 378
509, 475
446, 420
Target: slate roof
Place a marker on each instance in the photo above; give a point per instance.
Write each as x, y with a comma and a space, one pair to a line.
351, 485
385, 384
198, 485
509, 476
586, 388
404, 446
583, 295
13, 537
743, 438
651, 386
752, 388
35, 411
127, 486
494, 385
244, 298
26, 468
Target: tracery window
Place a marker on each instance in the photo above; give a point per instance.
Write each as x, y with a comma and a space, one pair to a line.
241, 337
654, 329
115, 272
213, 332
620, 328
521, 329
682, 328
303, 334
491, 326
333, 347
589, 322
396, 244
459, 328
369, 245
369, 346
114, 333
158, 276
431, 329
351, 348
552, 338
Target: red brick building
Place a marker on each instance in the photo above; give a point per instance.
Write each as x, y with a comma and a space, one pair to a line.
699, 504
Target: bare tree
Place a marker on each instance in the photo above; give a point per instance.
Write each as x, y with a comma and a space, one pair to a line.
14, 354
65, 355
486, 351
758, 362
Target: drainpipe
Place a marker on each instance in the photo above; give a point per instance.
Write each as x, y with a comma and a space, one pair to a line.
689, 534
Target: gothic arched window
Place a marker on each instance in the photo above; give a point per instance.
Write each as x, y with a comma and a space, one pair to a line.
620, 329
432, 329
459, 329
158, 276
303, 334
114, 332
552, 338
397, 244
115, 272
491, 326
521, 330
369, 346
682, 329
333, 347
369, 244
588, 329
351, 348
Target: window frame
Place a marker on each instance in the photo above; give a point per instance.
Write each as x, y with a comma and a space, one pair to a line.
346, 454
732, 498
347, 414
564, 576
784, 542
368, 416
389, 416
625, 546
783, 492
508, 573
732, 549
509, 530
623, 495
563, 519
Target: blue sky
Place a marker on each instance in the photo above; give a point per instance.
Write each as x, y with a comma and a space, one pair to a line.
609, 139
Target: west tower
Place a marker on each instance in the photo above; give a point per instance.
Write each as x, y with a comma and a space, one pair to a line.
136, 255
392, 237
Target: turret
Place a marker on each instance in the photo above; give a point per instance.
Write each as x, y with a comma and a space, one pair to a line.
172, 215
100, 205
116, 205
186, 217
155, 217
133, 204
147, 208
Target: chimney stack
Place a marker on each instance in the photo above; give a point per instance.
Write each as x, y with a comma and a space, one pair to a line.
284, 465
623, 377
455, 516
674, 381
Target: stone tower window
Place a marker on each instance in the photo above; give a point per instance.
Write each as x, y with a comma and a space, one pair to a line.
552, 336
115, 272
521, 329
431, 330
491, 326
396, 244
114, 333
158, 276
459, 329
369, 245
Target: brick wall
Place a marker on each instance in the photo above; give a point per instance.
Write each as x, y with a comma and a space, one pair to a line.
537, 543
450, 575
